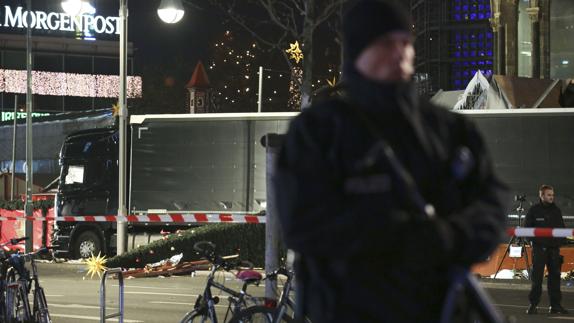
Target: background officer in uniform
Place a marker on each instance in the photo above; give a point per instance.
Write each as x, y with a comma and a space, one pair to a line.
545, 251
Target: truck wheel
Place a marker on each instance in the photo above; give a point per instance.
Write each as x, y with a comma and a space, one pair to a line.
87, 244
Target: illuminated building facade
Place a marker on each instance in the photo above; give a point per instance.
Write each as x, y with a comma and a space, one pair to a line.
73, 70
516, 38
453, 40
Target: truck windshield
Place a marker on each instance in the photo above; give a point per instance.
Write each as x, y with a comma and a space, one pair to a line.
88, 164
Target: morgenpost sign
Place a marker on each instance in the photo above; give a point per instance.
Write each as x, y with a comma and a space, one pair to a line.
18, 18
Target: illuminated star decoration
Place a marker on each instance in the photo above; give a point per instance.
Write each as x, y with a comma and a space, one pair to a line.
96, 265
333, 82
295, 52
115, 109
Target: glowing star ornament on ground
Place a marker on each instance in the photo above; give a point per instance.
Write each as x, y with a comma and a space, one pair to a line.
295, 52
333, 82
96, 265
115, 109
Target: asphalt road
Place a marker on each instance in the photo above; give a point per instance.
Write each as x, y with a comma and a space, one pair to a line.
74, 298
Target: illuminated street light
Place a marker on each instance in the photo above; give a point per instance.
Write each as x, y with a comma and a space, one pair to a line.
77, 7
170, 11
72, 7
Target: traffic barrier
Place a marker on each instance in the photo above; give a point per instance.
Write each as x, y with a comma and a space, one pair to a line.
41, 221
541, 232
161, 218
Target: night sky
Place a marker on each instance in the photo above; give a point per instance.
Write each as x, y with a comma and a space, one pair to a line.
156, 40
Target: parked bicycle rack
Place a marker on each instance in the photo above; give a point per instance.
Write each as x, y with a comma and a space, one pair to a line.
120, 313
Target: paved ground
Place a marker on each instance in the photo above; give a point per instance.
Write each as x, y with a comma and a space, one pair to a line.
75, 299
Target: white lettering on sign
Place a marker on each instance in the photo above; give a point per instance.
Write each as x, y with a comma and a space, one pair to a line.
6, 116
20, 18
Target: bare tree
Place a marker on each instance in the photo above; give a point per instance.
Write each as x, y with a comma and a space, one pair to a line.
285, 21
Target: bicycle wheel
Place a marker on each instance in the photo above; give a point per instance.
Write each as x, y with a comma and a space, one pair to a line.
41, 314
17, 306
256, 314
196, 317
3, 317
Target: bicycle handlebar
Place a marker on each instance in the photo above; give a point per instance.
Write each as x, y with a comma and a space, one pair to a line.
206, 249
16, 240
279, 271
13, 241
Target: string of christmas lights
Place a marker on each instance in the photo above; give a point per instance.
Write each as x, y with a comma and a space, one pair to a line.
69, 84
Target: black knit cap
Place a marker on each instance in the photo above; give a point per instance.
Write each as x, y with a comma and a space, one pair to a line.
368, 20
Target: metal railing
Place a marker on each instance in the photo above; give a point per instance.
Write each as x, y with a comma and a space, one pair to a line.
120, 313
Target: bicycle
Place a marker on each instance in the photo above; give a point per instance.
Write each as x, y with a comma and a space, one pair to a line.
282, 311
4, 265
204, 308
18, 282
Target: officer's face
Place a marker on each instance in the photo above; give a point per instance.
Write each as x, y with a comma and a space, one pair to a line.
547, 196
388, 59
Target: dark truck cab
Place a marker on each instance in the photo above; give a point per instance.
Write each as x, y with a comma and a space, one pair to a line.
87, 186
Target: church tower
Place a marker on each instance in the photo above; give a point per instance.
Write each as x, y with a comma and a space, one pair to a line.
199, 91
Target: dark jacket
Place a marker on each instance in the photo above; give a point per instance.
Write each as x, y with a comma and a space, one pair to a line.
543, 215
341, 207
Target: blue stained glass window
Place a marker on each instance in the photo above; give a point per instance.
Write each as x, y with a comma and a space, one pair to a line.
471, 49
470, 10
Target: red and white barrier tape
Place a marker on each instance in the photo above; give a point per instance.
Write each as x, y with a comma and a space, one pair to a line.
164, 218
540, 232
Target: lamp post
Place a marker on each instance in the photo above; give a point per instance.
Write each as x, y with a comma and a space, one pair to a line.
122, 116
28, 207
170, 11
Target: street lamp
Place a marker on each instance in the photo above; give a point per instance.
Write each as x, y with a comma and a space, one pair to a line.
170, 11
72, 7
122, 115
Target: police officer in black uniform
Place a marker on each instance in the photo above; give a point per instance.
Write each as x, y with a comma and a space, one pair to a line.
545, 251
367, 254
